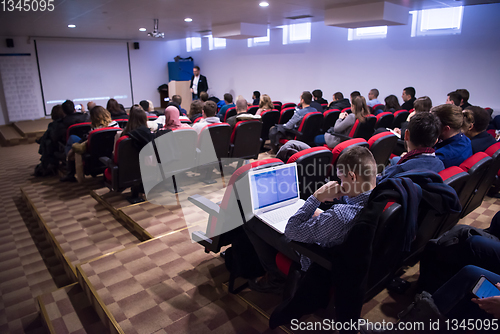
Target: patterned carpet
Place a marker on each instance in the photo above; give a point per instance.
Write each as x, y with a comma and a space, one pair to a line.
163, 285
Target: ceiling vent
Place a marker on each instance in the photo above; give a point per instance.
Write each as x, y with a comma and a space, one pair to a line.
367, 15
298, 17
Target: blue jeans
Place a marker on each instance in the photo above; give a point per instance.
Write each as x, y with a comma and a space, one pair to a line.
453, 298
319, 140
71, 140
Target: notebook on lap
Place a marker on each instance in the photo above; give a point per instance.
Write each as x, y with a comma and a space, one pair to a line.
275, 194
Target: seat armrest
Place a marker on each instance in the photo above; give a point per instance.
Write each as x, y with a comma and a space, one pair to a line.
315, 252
341, 136
106, 161
205, 204
294, 131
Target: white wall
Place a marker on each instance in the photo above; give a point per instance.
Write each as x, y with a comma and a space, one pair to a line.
434, 65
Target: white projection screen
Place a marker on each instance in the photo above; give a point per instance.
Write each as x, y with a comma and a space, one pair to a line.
84, 71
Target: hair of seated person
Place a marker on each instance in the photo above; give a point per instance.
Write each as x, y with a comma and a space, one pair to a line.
307, 97
177, 99
99, 117
360, 161
137, 118
210, 109
392, 102
228, 98
423, 104
204, 96
449, 115
375, 92
464, 94
424, 129
480, 118
455, 98
68, 107
317, 93
410, 91
338, 96
57, 112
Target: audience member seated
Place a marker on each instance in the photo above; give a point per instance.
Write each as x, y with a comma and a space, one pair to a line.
454, 146
318, 97
195, 110
208, 113
339, 102
137, 128
145, 106
279, 131
115, 110
99, 118
241, 113
49, 144
90, 105
354, 95
71, 117
172, 120
345, 122
420, 137
177, 99
422, 104
373, 97
464, 98
356, 169
476, 122
453, 98
290, 148
409, 98
265, 104
204, 97
315, 104
392, 104
256, 98
228, 100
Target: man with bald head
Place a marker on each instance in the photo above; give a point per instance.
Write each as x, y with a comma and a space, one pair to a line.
241, 113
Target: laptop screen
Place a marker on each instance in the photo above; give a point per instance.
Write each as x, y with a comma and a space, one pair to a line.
274, 186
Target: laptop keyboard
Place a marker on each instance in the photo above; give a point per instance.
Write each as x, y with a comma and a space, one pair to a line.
281, 214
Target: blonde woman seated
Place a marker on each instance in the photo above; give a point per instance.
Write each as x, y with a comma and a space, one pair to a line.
265, 104
345, 122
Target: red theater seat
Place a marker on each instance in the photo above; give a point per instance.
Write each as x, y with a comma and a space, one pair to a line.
381, 145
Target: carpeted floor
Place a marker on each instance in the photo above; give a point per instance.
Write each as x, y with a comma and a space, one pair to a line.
179, 285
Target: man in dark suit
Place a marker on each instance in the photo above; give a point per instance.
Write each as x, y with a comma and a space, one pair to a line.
198, 83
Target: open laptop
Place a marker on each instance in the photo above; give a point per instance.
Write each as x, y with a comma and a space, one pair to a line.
275, 195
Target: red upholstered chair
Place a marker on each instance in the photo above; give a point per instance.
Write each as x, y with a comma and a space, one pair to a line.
489, 110
455, 177
330, 117
269, 119
477, 166
308, 129
324, 105
123, 171
381, 145
341, 148
277, 105
495, 187
230, 112
286, 114
252, 109
122, 122
197, 120
365, 129
213, 138
488, 179
384, 120
99, 144
288, 105
245, 140
492, 132
347, 110
378, 108
184, 120
313, 166
400, 116
214, 238
152, 117
78, 129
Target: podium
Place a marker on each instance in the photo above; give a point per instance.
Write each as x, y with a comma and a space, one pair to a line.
181, 88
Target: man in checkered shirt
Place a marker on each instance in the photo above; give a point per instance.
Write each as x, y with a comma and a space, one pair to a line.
356, 169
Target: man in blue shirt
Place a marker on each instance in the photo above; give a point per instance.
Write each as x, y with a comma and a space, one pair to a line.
356, 170
228, 99
279, 131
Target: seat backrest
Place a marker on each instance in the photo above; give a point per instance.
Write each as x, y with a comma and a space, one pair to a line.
324, 105
381, 145
230, 112
197, 120
152, 117
78, 129
288, 105
99, 144
330, 117
384, 120
342, 147
269, 119
378, 108
400, 116
310, 126
252, 109
364, 129
177, 150
213, 138
477, 166
245, 139
286, 114
347, 110
313, 166
127, 159
277, 105
122, 122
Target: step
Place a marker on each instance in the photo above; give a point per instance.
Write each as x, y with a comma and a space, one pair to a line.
9, 136
68, 310
32, 128
78, 227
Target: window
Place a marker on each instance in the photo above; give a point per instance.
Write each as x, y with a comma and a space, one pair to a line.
193, 44
216, 43
367, 33
439, 21
296, 33
259, 40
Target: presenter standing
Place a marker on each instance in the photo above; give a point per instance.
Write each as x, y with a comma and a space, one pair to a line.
198, 83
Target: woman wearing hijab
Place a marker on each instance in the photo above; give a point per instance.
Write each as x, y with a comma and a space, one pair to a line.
172, 120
